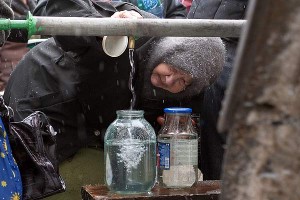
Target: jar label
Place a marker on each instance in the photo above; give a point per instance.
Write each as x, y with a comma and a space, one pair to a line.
177, 153
164, 155
184, 152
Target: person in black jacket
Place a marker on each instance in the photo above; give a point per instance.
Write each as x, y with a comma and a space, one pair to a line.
79, 87
213, 144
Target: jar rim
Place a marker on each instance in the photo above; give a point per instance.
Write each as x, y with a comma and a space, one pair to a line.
130, 112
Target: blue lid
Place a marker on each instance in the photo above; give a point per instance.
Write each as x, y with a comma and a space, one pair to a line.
178, 110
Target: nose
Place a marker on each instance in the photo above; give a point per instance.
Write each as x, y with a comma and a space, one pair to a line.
172, 79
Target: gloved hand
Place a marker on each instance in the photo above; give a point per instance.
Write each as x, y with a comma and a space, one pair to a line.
5, 12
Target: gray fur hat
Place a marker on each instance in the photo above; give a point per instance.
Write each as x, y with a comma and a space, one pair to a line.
5, 12
201, 57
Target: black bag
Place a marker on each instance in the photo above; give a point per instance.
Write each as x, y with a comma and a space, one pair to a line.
34, 149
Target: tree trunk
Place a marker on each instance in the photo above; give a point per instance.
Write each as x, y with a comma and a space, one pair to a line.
262, 107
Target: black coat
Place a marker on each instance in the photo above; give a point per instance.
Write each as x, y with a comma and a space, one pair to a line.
62, 75
213, 144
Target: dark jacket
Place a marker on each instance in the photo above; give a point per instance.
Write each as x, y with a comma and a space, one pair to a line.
213, 143
218, 9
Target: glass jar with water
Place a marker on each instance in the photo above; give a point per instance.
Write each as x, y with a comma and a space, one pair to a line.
130, 153
177, 150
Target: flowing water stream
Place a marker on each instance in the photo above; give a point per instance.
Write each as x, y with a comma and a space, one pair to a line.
131, 76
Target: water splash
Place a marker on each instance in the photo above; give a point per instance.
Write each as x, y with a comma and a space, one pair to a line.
131, 153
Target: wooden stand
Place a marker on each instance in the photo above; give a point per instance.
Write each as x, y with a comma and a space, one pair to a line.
204, 190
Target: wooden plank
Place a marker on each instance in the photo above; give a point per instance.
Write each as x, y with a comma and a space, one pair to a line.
204, 190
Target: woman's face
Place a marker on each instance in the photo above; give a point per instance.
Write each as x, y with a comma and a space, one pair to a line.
169, 78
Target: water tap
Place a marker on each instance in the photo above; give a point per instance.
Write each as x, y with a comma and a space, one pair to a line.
131, 43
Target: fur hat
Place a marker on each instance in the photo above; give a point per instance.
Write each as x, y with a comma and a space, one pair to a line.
201, 57
5, 12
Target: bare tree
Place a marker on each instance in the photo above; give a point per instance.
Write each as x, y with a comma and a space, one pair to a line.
262, 106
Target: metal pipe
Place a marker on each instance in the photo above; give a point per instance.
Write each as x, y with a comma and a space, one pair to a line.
5, 24
131, 27
138, 27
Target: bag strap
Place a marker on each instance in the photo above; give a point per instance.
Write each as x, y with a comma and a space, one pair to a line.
5, 111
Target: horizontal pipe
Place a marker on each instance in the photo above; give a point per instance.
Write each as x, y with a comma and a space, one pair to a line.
7, 24
138, 27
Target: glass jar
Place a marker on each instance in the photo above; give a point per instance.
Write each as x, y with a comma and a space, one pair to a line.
130, 153
177, 150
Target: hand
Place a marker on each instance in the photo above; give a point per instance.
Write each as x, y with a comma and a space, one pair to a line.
169, 78
127, 14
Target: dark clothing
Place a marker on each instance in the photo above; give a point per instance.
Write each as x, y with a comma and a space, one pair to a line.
54, 81
174, 10
212, 142
171, 9
22, 8
218, 9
